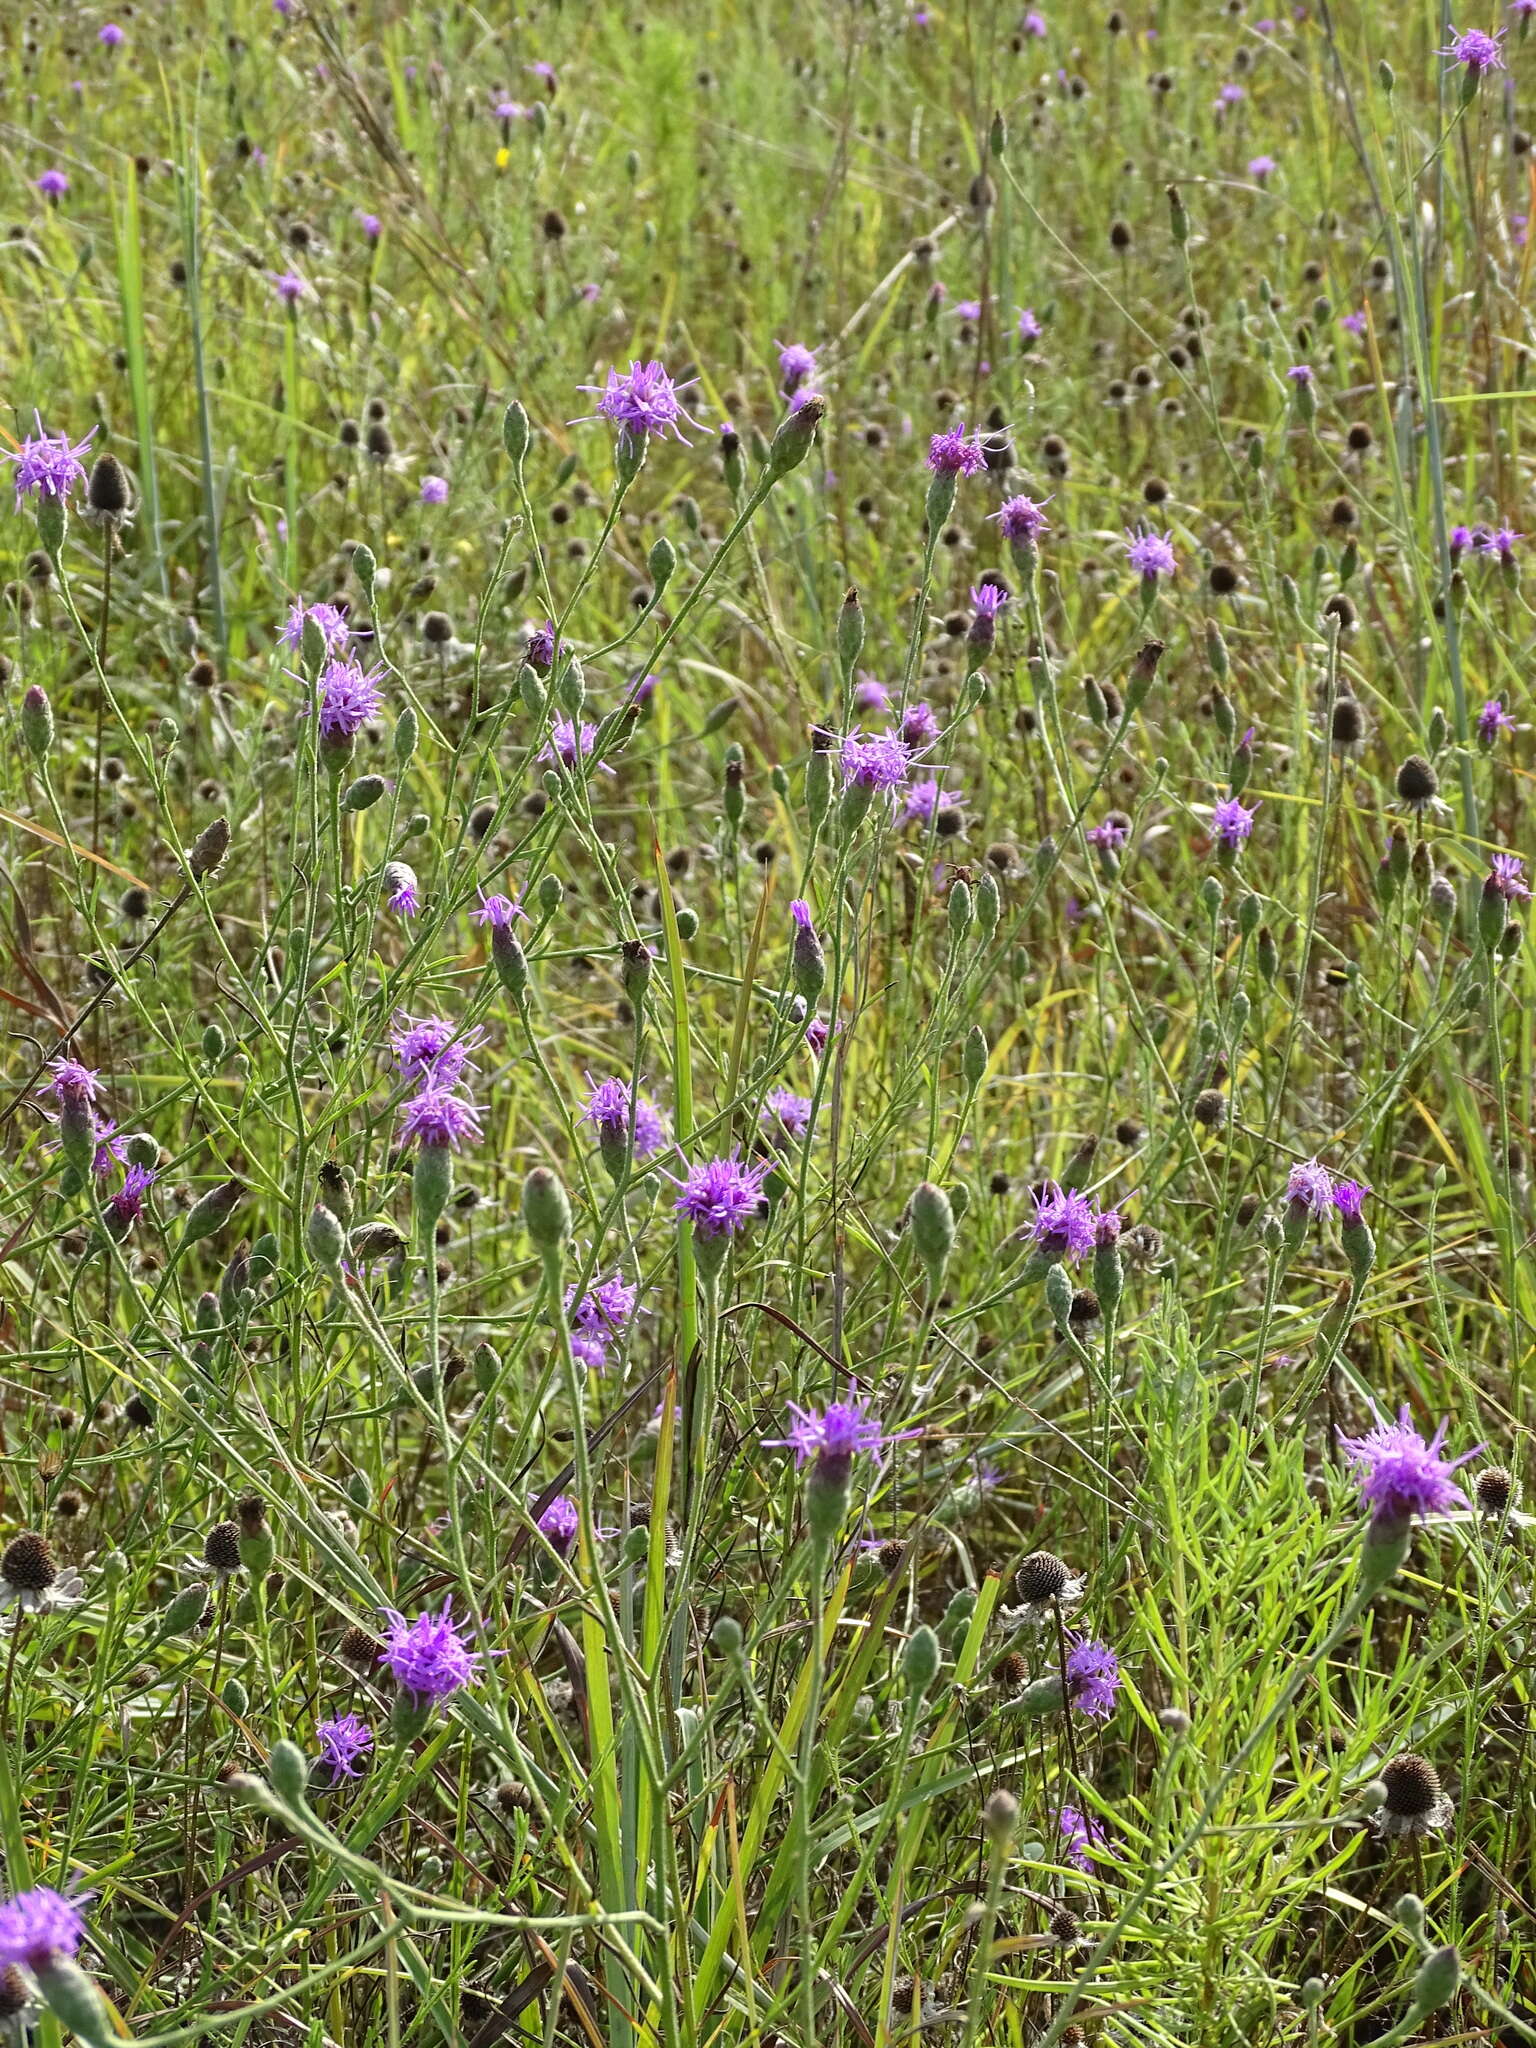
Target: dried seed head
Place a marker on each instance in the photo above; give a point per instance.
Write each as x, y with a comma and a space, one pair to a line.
1348, 722
27, 1563
1011, 1671
1495, 1490
221, 1547
15, 1993
106, 492
891, 1555
359, 1649
1413, 1786
512, 1796
1210, 1108
1042, 1576
69, 1505
1417, 782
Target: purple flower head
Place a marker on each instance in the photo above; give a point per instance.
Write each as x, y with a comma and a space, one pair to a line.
720, 1197
1063, 1223
53, 184
568, 745
1500, 541
1260, 167
289, 286
1230, 94
38, 1925
330, 618
431, 1049
402, 890
1029, 327
498, 911
371, 225
110, 34
967, 309
988, 599
434, 490
1461, 539
1151, 554
1093, 1677
559, 1523
871, 696
541, 647
608, 1109
817, 1032
1232, 822
342, 1740
952, 455
924, 798
1034, 23
1107, 1226
72, 1082
589, 1348
919, 725
1110, 835
877, 760
1310, 1185
643, 400
606, 1308
542, 68
438, 1117
349, 696
1349, 1199
1081, 1837
836, 1436
787, 1114
1022, 519
797, 365
1506, 877
1492, 720
1400, 1474
1478, 50
1353, 323
46, 465
1300, 373
111, 1150
123, 1209
427, 1657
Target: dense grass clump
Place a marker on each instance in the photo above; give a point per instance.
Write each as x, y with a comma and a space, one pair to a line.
765, 1265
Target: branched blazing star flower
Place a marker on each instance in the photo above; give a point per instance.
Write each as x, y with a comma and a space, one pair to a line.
1151, 554
431, 1049
836, 1435
951, 454
343, 1740
1492, 720
797, 366
923, 799
567, 743
607, 1308
722, 1197
1093, 1677
1232, 822
642, 400
349, 696
122, 1211
1310, 1186
874, 761
47, 466
1082, 1838
1506, 877
608, 1112
1402, 1477
1476, 49
438, 1117
1021, 519
560, 1523
329, 618
785, 1113
38, 1925
428, 1657
72, 1082
1064, 1224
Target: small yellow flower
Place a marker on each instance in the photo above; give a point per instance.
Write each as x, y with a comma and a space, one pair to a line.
503, 158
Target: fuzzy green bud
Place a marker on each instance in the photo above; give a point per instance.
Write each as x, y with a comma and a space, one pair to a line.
509, 961
959, 907
792, 442
546, 1210
663, 565
516, 433
1058, 1294
325, 1238
933, 1230
850, 633
1437, 1982
67, 1991
288, 1769
973, 1057
212, 1211
182, 1613
920, 1664
989, 905
37, 723
431, 1189
818, 788
235, 1697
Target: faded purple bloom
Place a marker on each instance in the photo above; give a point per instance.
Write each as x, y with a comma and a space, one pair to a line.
591, 293
643, 400
1232, 822
608, 1111
1034, 23
53, 184
289, 286
37, 1926
1093, 1677
427, 1657
1400, 1474
559, 1524
1022, 519
1081, 1837
402, 891
876, 760
967, 309
797, 365
952, 455
46, 465
541, 647
1063, 1223
343, 1739
1151, 554
72, 1082
871, 696
1506, 877
1260, 167
434, 490
1462, 537
919, 725
123, 1209
542, 68
438, 1117
720, 1197
925, 797
1349, 1199
110, 34
498, 912
836, 1436
566, 744
371, 225
433, 1049
1499, 541
1310, 1185
349, 697
988, 599
1478, 50
787, 1113
1111, 835
330, 618
1029, 327
1230, 94
111, 1150
1353, 323
606, 1308
1493, 718
1300, 373
817, 1032
1107, 1226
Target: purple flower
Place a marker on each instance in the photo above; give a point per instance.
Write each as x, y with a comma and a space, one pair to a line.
430, 1049
1029, 327
988, 599
871, 696
371, 225
330, 618
1081, 1836
967, 309
720, 1197
342, 1740
498, 912
349, 697
877, 760
1260, 167
1353, 323
1232, 822
1107, 1226
1063, 1223
1300, 373
53, 184
434, 490
606, 1308
797, 365
1506, 877
110, 1150
1151, 554
1022, 519
72, 1082
589, 1348
608, 1112
836, 1436
1093, 1677
427, 1657
1230, 95
1111, 835
1499, 541
952, 455
1349, 1199
1310, 1185
925, 797
123, 1209
1461, 539
559, 1523
643, 400
46, 465
402, 891
1034, 23
438, 1117
541, 647
787, 1113
1400, 1474
1493, 718
38, 1925
566, 744
289, 286
919, 725
1478, 50
110, 34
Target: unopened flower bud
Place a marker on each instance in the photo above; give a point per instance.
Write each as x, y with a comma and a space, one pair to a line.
933, 1230
546, 1209
792, 442
209, 848
212, 1211
37, 722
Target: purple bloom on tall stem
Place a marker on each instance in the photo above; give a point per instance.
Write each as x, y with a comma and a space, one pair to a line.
122, 1210
870, 695
607, 1307
371, 225
1110, 835
349, 696
427, 1657
1151, 554
53, 184
1506, 877
952, 455
46, 465
343, 1739
38, 1925
1477, 50
988, 599
541, 647
434, 490
1232, 822
1260, 167
402, 890
1401, 1475
1310, 1186
836, 1435
1021, 518
874, 761
498, 911
1500, 541
1029, 327
1063, 1223
289, 286
923, 799
643, 400
330, 618
1349, 1199
438, 1117
919, 725
1353, 323
607, 1111
786, 1113
567, 744
433, 1049
1081, 1837
1300, 373
1492, 720
720, 1197
1093, 1677
797, 365
559, 1523
72, 1082
110, 34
